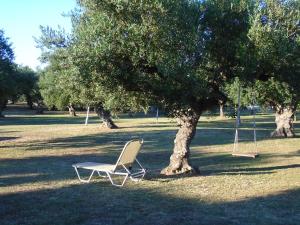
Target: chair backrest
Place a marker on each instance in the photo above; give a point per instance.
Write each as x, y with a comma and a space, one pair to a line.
129, 153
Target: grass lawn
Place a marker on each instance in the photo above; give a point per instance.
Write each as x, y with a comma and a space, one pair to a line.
39, 186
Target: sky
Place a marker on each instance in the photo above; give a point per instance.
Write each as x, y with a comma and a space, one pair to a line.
21, 19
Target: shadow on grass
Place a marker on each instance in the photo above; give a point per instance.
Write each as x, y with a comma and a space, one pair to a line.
8, 138
249, 171
58, 167
162, 138
100, 203
45, 120
8, 131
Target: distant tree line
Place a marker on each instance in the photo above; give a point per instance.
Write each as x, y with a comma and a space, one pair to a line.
16, 82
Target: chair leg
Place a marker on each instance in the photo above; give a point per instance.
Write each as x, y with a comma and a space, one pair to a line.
138, 176
115, 184
100, 175
84, 180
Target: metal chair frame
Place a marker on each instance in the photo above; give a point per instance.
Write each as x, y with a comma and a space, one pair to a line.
123, 171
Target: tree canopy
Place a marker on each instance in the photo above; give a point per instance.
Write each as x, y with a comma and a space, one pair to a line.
274, 35
7, 83
63, 85
26, 85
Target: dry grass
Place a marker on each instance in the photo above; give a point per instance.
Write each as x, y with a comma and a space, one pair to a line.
39, 186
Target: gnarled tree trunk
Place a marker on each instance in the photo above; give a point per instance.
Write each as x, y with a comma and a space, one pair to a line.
72, 111
105, 116
39, 107
179, 160
284, 123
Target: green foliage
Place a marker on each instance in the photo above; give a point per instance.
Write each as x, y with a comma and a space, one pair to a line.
274, 50
26, 84
274, 34
7, 83
274, 38
269, 93
177, 54
51, 40
58, 86
168, 52
15, 81
276, 94
248, 93
61, 82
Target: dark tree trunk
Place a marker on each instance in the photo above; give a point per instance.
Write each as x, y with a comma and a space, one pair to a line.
39, 110
105, 116
130, 114
29, 101
71, 110
39, 107
284, 123
3, 103
179, 160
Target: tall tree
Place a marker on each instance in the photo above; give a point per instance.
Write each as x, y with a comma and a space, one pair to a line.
274, 35
7, 84
283, 100
63, 85
175, 53
26, 84
58, 86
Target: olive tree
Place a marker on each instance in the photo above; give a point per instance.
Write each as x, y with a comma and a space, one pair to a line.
27, 85
274, 35
279, 96
63, 85
57, 89
176, 53
283, 100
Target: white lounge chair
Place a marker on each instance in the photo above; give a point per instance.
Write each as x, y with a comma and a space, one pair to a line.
127, 165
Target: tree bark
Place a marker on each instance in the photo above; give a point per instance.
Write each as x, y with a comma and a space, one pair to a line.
284, 123
29, 101
3, 103
71, 110
179, 160
39, 107
106, 117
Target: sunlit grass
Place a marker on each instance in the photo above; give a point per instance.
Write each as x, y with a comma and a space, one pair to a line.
38, 184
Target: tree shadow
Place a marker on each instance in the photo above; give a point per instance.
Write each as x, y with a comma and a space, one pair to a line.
100, 203
8, 138
58, 167
249, 170
163, 138
152, 125
8, 131
45, 120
